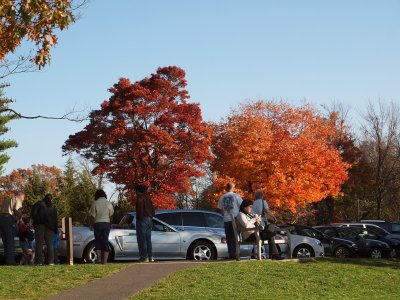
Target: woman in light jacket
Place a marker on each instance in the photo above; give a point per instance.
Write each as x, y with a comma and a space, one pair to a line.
101, 212
248, 220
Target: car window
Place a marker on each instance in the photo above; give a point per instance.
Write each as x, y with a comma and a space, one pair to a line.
157, 226
344, 233
377, 230
309, 232
214, 221
396, 227
173, 218
127, 222
328, 231
193, 219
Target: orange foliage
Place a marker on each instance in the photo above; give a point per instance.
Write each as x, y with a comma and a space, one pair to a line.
283, 150
19, 179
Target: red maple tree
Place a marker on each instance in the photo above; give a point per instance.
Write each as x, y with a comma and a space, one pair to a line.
147, 132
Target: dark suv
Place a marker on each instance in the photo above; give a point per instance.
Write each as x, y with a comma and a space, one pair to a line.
183, 219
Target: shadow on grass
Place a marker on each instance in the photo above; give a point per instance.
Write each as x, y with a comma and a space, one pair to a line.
384, 263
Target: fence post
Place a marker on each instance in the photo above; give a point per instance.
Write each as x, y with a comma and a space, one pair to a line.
67, 231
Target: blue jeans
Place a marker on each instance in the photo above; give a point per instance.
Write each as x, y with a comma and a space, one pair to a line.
8, 229
101, 233
143, 235
230, 239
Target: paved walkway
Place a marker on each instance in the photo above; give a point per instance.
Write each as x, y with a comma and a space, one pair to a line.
125, 283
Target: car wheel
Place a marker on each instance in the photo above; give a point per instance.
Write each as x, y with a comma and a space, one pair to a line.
202, 250
303, 251
341, 252
375, 253
90, 255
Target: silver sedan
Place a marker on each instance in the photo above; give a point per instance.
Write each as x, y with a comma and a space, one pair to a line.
168, 243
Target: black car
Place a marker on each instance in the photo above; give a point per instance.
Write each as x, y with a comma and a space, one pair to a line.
380, 234
333, 246
366, 247
391, 227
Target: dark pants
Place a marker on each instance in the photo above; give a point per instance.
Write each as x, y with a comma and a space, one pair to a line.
230, 239
44, 235
8, 230
143, 235
101, 233
266, 236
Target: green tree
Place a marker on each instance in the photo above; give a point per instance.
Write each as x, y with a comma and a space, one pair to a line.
5, 117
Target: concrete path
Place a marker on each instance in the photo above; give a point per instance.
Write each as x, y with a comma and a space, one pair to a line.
125, 283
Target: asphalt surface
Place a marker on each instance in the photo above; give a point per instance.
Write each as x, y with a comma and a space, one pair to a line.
125, 283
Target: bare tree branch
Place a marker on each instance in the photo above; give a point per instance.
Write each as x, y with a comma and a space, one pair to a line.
66, 116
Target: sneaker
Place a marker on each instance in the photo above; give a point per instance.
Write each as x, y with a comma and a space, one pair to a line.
51, 264
151, 259
144, 260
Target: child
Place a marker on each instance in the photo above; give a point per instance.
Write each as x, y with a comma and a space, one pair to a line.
26, 240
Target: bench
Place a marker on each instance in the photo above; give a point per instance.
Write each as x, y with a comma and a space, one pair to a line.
258, 242
240, 241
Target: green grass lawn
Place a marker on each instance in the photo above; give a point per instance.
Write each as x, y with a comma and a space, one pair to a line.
28, 282
321, 279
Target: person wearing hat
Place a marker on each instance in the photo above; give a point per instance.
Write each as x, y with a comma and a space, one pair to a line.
247, 220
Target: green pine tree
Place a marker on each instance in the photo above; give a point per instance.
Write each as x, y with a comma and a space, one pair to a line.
5, 117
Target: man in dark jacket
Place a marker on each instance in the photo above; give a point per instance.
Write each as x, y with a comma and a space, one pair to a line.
44, 217
144, 223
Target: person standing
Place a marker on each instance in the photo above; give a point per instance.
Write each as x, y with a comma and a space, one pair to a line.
101, 211
261, 208
45, 223
228, 206
144, 223
9, 215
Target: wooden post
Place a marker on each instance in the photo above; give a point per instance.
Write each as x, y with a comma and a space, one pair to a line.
67, 230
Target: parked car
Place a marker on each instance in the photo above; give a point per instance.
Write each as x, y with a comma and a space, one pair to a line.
391, 227
376, 228
332, 246
168, 242
213, 222
374, 232
366, 247
301, 246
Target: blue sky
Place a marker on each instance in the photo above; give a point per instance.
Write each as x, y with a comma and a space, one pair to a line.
232, 51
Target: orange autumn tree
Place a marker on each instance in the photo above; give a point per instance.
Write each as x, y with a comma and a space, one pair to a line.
286, 151
34, 182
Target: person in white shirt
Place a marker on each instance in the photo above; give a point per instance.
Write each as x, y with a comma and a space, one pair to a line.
248, 220
101, 212
228, 206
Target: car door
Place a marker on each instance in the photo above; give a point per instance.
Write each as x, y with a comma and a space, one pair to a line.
214, 223
127, 233
166, 241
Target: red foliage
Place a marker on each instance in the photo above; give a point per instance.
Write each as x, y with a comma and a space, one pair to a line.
147, 132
